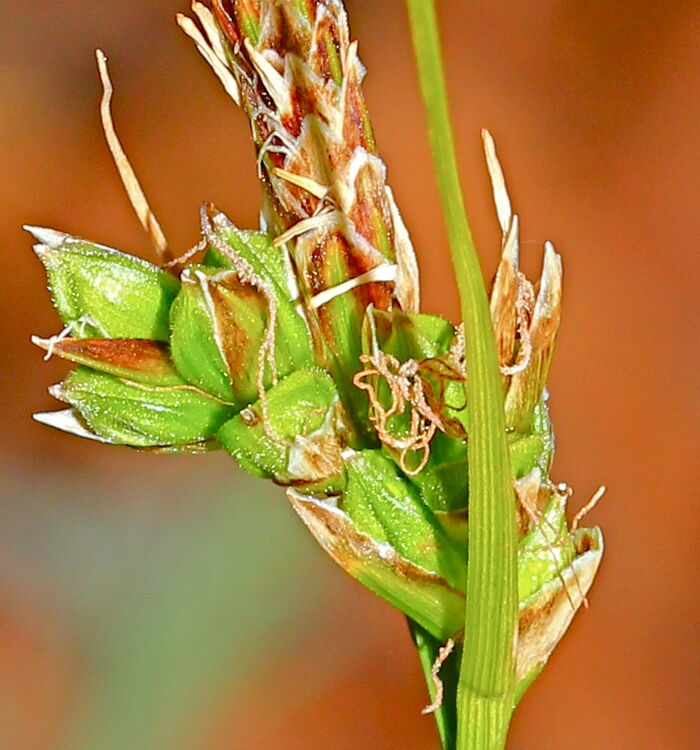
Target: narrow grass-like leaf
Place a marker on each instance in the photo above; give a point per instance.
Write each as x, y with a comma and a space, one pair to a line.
487, 672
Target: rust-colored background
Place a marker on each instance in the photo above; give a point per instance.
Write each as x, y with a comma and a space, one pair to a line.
164, 603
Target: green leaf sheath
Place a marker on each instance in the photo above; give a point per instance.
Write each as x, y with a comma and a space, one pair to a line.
487, 671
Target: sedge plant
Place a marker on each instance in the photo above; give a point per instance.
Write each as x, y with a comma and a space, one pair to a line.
416, 451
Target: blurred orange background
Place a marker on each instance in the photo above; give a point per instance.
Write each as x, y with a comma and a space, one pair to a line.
169, 602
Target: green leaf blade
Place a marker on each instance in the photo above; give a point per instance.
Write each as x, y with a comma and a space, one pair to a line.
488, 668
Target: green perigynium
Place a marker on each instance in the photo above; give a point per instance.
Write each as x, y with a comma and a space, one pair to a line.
386, 508
299, 349
102, 292
142, 415
293, 434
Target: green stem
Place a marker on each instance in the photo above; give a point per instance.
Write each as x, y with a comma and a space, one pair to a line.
485, 692
445, 715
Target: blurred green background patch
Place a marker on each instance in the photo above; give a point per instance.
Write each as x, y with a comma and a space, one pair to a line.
166, 604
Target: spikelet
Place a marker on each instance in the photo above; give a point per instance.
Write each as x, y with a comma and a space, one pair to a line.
297, 75
525, 323
356, 405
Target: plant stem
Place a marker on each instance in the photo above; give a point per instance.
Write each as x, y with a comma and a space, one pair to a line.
445, 715
485, 692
